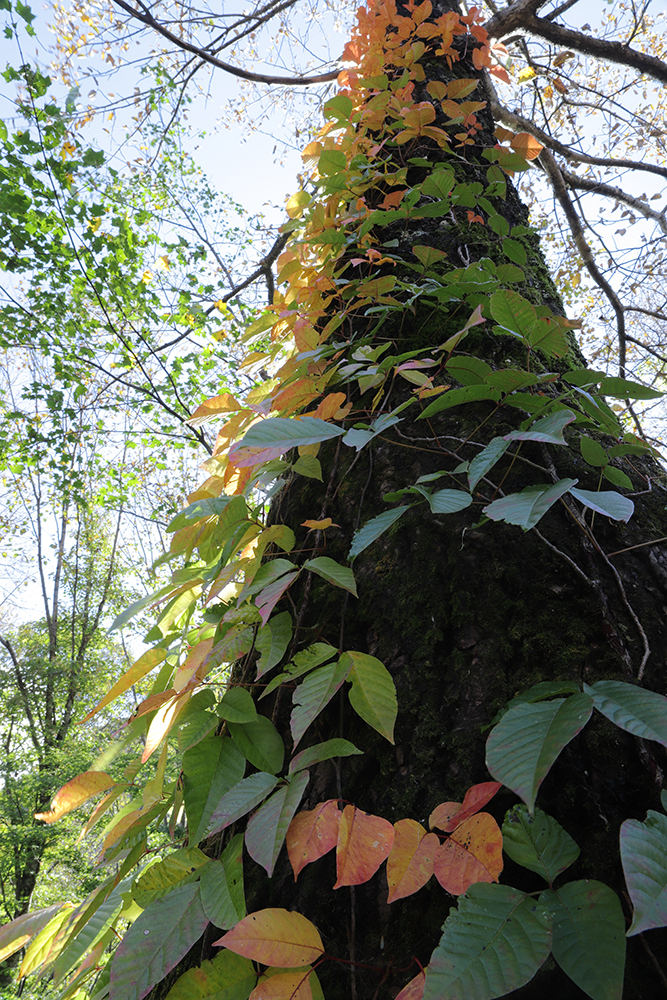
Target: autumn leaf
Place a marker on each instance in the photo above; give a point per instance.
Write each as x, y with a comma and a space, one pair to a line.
415, 988
448, 815
75, 793
526, 145
275, 937
473, 853
292, 985
312, 834
410, 864
364, 841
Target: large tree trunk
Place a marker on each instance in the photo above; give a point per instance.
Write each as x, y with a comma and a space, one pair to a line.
464, 616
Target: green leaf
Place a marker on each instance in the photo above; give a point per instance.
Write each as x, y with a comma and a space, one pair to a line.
448, 501
617, 477
499, 225
439, 184
226, 977
91, 932
538, 842
515, 251
313, 694
548, 430
634, 709
526, 508
210, 769
178, 868
331, 161
238, 802
272, 641
373, 529
592, 452
644, 859
332, 572
373, 693
267, 828
468, 370
260, 743
282, 433
486, 459
621, 388
492, 944
221, 889
322, 751
456, 397
510, 379
589, 936
156, 942
195, 728
618, 507
309, 466
237, 705
549, 338
522, 747
339, 108
511, 311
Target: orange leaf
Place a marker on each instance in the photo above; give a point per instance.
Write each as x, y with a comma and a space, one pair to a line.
330, 406
458, 89
437, 89
319, 525
312, 834
146, 662
448, 815
212, 408
473, 853
75, 793
503, 134
294, 985
275, 937
410, 864
162, 722
364, 841
526, 145
415, 988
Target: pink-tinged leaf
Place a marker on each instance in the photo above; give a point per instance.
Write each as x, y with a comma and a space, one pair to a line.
214, 407
275, 937
267, 828
415, 988
269, 597
292, 985
410, 864
18, 932
75, 793
448, 815
315, 692
312, 834
162, 723
473, 853
364, 841
156, 942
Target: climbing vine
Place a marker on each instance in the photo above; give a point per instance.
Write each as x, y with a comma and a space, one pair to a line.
362, 337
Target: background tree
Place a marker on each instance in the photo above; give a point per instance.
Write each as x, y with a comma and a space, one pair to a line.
418, 338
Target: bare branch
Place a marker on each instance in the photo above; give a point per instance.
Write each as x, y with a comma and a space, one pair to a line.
598, 187
145, 17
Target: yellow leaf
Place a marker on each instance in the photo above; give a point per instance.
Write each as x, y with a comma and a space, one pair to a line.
139, 669
292, 985
526, 74
326, 522
17, 932
214, 407
275, 937
75, 793
40, 946
297, 203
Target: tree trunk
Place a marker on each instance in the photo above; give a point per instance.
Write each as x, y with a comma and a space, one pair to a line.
466, 613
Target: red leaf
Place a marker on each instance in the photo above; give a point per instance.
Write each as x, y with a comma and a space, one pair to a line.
448, 815
410, 864
473, 853
415, 988
312, 834
364, 841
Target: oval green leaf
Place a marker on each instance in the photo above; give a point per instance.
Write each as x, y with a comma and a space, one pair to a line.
538, 842
644, 858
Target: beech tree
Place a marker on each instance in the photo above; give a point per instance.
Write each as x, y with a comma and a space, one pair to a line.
410, 625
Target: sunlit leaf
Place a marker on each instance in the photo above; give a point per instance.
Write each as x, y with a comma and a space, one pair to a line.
210, 769
18, 932
272, 641
275, 937
75, 793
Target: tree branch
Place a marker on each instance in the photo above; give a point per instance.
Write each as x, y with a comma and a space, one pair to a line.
298, 80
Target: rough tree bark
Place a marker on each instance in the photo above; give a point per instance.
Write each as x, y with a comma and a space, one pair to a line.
464, 616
